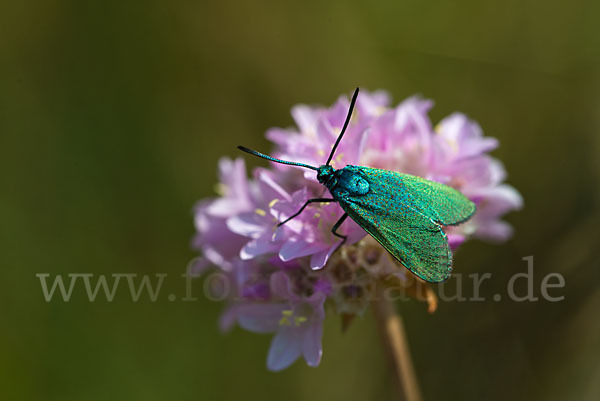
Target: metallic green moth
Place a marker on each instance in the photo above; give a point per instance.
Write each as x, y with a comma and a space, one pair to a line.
404, 213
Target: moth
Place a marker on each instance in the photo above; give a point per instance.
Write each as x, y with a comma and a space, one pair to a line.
406, 214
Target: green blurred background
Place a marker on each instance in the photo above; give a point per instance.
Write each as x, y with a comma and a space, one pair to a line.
113, 115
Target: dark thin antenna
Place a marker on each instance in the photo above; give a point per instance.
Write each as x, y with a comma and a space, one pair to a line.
255, 153
337, 142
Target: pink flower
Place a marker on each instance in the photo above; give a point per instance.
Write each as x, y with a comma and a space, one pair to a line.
279, 284
297, 321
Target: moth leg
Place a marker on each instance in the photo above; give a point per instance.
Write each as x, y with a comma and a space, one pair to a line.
308, 202
337, 225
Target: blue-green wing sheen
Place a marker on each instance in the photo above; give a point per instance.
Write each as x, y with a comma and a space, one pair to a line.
405, 214
444, 204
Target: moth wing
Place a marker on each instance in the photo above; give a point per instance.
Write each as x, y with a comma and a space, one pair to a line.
415, 240
405, 214
443, 204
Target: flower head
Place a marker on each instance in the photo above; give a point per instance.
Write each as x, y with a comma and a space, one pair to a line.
278, 274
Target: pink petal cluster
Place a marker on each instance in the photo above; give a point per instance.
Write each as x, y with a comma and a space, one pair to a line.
276, 274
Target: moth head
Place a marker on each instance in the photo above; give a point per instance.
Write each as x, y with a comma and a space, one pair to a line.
324, 173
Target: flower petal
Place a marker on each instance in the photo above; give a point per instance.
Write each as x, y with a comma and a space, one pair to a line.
455, 240
494, 230
318, 260
285, 348
311, 346
499, 200
296, 248
257, 247
305, 117
228, 318
248, 224
259, 317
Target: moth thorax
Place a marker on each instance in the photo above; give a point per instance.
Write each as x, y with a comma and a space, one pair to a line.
354, 183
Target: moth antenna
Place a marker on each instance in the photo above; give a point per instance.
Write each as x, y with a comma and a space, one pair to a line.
337, 142
261, 155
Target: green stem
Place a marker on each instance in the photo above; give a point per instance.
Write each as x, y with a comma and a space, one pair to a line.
391, 329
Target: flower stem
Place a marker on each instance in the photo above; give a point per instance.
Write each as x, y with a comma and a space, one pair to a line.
396, 347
